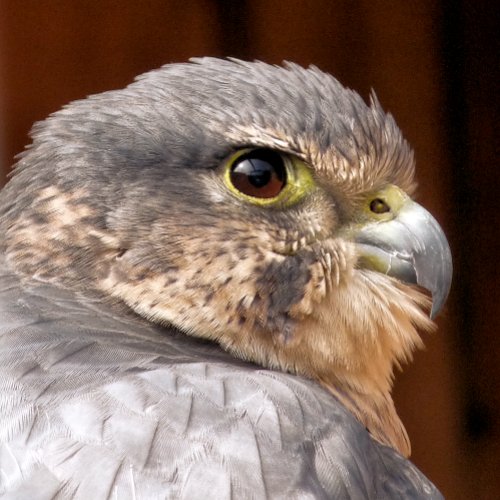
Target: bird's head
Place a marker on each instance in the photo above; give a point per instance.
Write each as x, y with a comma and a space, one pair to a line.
265, 208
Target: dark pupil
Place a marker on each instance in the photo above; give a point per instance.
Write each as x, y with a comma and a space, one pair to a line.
260, 173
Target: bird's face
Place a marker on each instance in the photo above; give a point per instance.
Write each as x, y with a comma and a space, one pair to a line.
270, 257
294, 243
265, 208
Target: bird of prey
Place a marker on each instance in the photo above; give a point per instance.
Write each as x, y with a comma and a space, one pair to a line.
206, 281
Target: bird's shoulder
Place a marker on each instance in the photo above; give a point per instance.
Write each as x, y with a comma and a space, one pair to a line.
95, 404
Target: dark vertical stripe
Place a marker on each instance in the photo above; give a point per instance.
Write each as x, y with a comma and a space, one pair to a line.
455, 40
233, 22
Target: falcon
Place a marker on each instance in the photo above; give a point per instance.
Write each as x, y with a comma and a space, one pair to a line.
206, 281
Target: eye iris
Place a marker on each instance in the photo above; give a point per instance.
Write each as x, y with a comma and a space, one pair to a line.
260, 173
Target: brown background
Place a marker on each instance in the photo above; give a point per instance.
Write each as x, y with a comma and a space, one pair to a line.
433, 65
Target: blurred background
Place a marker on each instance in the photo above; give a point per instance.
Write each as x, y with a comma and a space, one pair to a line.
434, 65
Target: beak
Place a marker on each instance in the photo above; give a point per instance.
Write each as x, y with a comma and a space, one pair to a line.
407, 244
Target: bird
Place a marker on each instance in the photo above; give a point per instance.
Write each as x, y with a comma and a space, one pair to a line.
207, 280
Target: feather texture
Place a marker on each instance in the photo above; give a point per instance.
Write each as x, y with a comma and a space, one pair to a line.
95, 405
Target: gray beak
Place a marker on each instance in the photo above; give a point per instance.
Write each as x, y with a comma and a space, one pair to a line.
410, 247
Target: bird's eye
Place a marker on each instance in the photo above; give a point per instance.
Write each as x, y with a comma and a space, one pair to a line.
379, 206
260, 173
267, 177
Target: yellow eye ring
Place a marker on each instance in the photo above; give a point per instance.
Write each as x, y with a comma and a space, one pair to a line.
267, 177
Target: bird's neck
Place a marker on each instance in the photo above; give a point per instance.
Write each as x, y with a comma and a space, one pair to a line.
377, 413
358, 334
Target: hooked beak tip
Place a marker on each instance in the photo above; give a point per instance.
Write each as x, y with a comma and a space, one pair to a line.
412, 248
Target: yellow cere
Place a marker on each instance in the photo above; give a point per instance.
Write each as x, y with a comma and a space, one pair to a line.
384, 204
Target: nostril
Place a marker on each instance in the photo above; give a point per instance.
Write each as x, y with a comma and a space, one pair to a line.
379, 206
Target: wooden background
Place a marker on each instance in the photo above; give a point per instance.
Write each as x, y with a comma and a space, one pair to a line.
433, 64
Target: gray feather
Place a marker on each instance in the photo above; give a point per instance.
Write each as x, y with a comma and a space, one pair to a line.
99, 406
